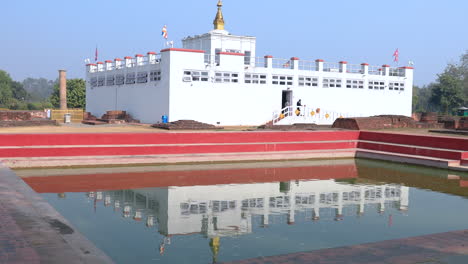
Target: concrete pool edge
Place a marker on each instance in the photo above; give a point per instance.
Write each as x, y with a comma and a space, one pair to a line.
35, 232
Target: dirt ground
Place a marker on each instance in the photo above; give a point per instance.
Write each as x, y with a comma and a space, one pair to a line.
81, 128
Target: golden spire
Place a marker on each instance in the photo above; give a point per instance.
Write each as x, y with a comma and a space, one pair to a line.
219, 20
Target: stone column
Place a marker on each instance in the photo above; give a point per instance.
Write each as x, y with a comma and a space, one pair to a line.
63, 89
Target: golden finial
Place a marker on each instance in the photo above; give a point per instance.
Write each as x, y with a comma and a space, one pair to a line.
219, 20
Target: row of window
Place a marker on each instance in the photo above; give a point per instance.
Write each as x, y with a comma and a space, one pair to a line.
129, 78
250, 78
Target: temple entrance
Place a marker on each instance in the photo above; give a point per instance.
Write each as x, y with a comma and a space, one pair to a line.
286, 99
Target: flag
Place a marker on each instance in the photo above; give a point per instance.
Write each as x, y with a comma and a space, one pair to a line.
164, 32
96, 54
396, 54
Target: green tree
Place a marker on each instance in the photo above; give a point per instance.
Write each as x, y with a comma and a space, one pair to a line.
447, 93
76, 94
6, 93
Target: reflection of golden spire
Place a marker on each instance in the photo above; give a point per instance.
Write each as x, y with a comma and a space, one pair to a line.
214, 244
219, 20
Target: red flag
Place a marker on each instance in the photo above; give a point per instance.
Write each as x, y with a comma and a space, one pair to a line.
96, 55
396, 54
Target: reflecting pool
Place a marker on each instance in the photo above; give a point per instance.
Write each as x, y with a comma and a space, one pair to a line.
241, 211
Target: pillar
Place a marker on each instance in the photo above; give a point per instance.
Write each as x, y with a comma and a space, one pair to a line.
386, 70
63, 89
268, 61
365, 68
295, 63
319, 65
343, 66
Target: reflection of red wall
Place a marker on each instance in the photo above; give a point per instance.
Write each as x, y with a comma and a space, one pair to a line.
119, 181
463, 183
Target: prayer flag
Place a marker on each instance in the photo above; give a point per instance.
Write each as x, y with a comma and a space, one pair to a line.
396, 54
164, 32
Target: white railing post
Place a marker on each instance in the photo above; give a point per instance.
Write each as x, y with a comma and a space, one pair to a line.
128, 61
268, 61
343, 66
100, 66
118, 63
109, 65
319, 65
386, 70
152, 57
295, 63
365, 68
139, 59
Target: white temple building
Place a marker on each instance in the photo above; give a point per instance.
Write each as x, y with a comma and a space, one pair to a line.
217, 78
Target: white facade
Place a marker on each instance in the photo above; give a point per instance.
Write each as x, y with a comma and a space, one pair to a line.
217, 79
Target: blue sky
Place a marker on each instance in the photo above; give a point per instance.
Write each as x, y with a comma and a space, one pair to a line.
40, 37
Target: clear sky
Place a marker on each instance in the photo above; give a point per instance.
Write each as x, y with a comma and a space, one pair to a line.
39, 37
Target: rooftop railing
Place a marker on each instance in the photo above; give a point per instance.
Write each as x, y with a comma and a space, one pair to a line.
258, 62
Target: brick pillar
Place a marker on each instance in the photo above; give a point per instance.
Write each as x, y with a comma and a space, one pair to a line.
63, 89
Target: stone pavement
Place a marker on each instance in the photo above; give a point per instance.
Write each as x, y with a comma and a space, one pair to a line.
31, 231
442, 248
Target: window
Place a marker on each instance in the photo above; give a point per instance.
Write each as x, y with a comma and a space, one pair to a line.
255, 78
226, 77
110, 80
355, 84
396, 86
196, 76
308, 81
142, 77
376, 85
101, 80
93, 81
130, 78
331, 83
119, 79
282, 80
155, 76
248, 55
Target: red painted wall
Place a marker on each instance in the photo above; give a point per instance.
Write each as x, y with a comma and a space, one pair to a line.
171, 138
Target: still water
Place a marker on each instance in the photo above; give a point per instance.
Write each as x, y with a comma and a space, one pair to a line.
249, 211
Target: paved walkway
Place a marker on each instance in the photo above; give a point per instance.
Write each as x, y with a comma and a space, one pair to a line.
31, 231
450, 248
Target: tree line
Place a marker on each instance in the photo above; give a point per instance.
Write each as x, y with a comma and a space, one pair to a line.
448, 93
39, 93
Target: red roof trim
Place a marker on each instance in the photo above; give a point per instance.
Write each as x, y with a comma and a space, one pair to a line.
117, 59
386, 65
294, 58
151, 52
128, 57
268, 57
183, 50
407, 67
139, 55
231, 53
108, 61
100, 62
91, 64
319, 60
365, 64
343, 62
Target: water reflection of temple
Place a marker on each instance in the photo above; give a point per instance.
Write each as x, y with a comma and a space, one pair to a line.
228, 210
